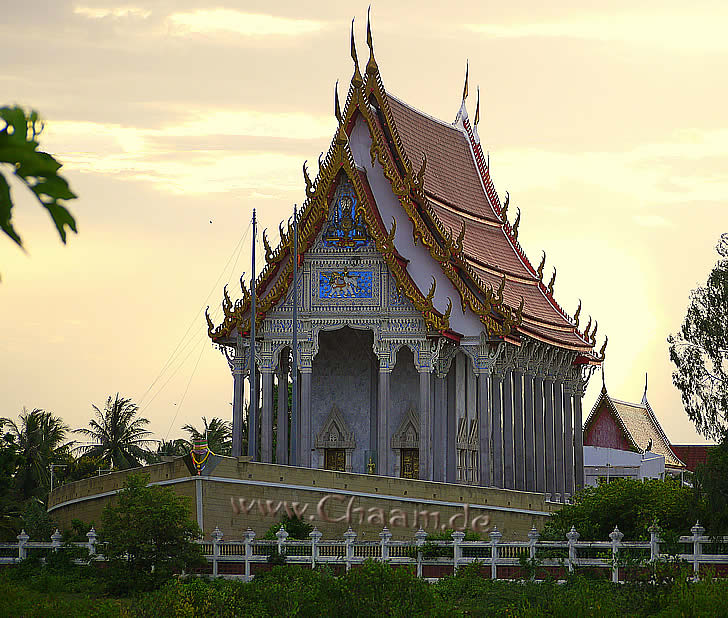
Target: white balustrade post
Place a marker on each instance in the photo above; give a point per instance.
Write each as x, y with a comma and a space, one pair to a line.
92, 540
248, 540
22, 541
281, 537
616, 536
420, 538
315, 535
533, 537
697, 531
216, 536
457, 550
385, 535
495, 537
654, 531
572, 536
349, 538
56, 539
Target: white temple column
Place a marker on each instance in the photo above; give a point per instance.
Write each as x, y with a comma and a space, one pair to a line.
266, 420
425, 424
282, 419
568, 439
384, 464
539, 434
578, 444
518, 431
238, 386
508, 468
439, 433
548, 430
496, 424
484, 431
528, 432
454, 378
560, 475
306, 441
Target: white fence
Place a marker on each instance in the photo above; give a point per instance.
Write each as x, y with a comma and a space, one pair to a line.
613, 555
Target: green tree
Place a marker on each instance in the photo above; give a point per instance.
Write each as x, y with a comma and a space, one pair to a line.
150, 534
39, 437
10, 507
632, 505
218, 433
711, 488
699, 352
35, 169
173, 448
118, 435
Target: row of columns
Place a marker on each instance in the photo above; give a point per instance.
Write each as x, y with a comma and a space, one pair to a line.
526, 427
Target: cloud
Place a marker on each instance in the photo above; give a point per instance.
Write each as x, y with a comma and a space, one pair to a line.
116, 12
652, 221
689, 31
247, 24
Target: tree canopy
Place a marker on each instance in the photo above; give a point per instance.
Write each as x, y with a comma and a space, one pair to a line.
118, 434
218, 432
699, 352
35, 169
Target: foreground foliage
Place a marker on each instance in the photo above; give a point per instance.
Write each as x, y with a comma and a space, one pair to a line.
375, 589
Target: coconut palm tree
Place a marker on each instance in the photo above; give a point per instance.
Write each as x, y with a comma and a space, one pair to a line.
173, 448
118, 436
39, 438
218, 432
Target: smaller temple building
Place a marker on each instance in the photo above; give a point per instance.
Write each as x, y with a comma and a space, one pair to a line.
623, 439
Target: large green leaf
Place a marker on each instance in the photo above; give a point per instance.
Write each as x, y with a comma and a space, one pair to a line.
36, 169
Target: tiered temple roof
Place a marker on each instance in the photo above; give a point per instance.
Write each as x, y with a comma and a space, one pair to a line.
455, 211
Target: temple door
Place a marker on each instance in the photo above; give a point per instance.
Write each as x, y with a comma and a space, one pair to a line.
335, 459
410, 463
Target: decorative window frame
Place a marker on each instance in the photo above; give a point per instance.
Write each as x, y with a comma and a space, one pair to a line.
335, 433
403, 438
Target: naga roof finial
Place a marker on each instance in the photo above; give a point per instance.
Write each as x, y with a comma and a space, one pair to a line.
594, 332
372, 67
504, 210
309, 185
465, 87
539, 271
551, 283
477, 109
604, 348
516, 224
586, 330
356, 78
576, 315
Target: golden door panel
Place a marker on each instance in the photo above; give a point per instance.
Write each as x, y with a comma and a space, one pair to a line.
410, 464
335, 459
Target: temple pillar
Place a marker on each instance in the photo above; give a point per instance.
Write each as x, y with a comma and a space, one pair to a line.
560, 476
508, 469
529, 438
385, 465
439, 418
548, 430
578, 444
282, 418
305, 443
266, 421
483, 411
539, 435
454, 378
425, 424
518, 433
253, 414
568, 440
238, 396
496, 426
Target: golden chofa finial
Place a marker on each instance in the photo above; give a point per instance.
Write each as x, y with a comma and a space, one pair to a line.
372, 67
477, 109
539, 271
576, 315
586, 330
465, 87
516, 224
551, 283
604, 348
337, 109
593, 337
210, 325
356, 79
309, 185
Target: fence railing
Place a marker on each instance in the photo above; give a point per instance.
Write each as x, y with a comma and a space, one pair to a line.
567, 555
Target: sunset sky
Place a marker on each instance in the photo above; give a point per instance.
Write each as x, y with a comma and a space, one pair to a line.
606, 122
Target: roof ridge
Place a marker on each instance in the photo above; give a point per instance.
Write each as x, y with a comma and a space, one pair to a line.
419, 111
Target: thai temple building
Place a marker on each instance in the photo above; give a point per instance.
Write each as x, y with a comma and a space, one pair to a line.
429, 345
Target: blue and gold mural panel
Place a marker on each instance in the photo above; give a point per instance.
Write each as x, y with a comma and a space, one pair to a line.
346, 284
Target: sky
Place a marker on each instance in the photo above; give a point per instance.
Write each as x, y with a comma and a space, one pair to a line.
606, 122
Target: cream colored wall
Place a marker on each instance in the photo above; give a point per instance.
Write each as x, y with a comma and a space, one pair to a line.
267, 487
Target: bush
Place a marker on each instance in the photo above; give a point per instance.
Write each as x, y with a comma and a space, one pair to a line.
149, 535
296, 527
